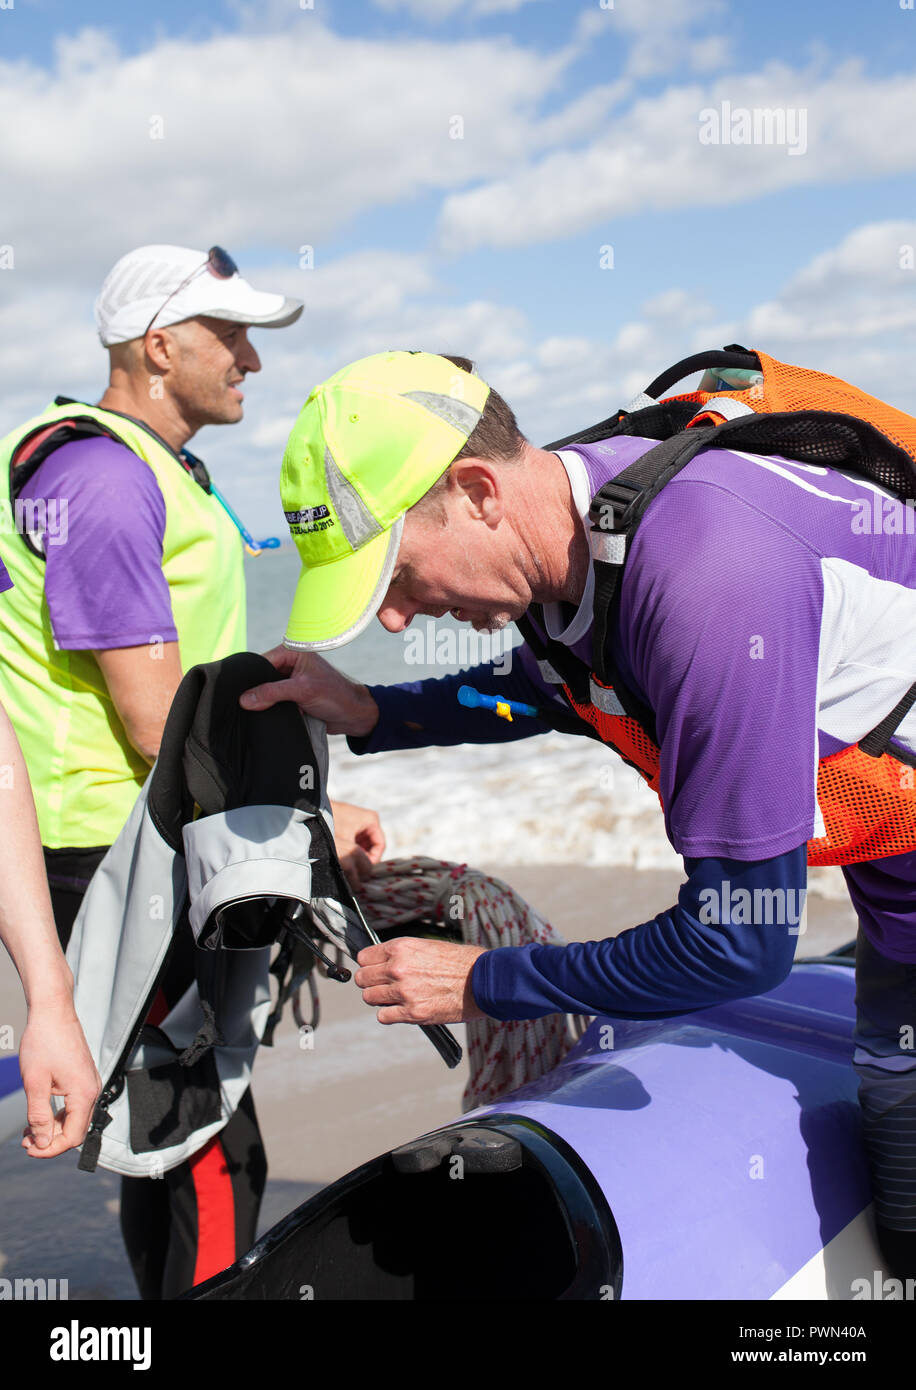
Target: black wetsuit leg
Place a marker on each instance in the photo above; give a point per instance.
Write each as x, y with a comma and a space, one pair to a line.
199, 1217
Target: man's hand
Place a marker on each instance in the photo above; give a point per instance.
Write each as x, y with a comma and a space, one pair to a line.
418, 981
55, 1061
318, 689
359, 841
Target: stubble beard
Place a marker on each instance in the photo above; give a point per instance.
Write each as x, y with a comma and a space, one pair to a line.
492, 622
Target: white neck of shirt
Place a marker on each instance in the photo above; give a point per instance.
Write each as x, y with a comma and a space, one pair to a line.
553, 614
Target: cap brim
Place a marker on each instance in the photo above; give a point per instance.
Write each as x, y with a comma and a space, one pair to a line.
287, 312
233, 299
335, 602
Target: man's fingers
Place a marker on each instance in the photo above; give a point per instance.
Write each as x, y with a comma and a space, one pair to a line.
394, 1015
369, 975
282, 657
372, 839
66, 1130
76, 1121
372, 955
58, 1145
271, 693
78, 1113
383, 994
40, 1116
357, 867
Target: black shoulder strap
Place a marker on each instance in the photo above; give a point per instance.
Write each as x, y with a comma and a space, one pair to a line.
573, 671
576, 675
84, 427
80, 427
814, 436
616, 511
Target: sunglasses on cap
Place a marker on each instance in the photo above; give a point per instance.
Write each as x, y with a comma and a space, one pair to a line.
218, 263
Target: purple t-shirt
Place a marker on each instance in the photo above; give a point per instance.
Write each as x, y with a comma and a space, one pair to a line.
768, 618
105, 514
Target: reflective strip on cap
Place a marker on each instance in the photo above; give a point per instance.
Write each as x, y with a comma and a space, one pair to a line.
604, 699
607, 547
356, 521
548, 673
458, 413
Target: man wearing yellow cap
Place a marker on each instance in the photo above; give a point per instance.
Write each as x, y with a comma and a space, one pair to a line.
409, 489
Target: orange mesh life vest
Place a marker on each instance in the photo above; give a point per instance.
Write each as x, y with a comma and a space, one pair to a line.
866, 794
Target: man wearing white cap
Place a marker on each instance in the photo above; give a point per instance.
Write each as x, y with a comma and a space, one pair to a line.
127, 571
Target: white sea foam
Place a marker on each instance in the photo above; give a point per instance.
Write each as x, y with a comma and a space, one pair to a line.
553, 799
547, 800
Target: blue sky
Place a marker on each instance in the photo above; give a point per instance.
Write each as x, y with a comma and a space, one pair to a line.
329, 127
781, 28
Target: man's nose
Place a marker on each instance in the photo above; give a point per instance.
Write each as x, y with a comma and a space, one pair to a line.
395, 617
248, 359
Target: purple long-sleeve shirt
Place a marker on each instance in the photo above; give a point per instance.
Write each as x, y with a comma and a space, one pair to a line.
768, 618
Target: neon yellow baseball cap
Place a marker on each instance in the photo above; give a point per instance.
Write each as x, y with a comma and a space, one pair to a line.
369, 443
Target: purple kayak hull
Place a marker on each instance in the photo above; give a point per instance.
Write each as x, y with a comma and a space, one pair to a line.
711, 1156
727, 1143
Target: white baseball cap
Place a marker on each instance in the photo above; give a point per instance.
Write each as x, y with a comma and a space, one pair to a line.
163, 285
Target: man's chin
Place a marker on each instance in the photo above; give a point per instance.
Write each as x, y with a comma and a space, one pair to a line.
228, 416
493, 622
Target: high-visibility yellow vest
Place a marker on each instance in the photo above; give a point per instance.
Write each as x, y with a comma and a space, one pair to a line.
85, 774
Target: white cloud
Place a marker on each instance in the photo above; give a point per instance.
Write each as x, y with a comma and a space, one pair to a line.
850, 311
658, 37
652, 157
267, 138
706, 55
277, 139
434, 11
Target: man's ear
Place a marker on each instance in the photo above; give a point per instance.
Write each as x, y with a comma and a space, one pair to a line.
160, 348
482, 486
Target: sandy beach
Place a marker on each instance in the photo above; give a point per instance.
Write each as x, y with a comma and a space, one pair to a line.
360, 1090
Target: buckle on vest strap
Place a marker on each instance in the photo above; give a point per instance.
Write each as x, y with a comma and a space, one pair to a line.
609, 507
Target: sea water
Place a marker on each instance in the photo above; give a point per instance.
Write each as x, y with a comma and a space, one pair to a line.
550, 799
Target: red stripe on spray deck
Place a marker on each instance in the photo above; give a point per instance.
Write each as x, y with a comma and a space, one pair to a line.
215, 1210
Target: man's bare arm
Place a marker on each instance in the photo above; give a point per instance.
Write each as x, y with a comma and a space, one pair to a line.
142, 682
53, 1056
